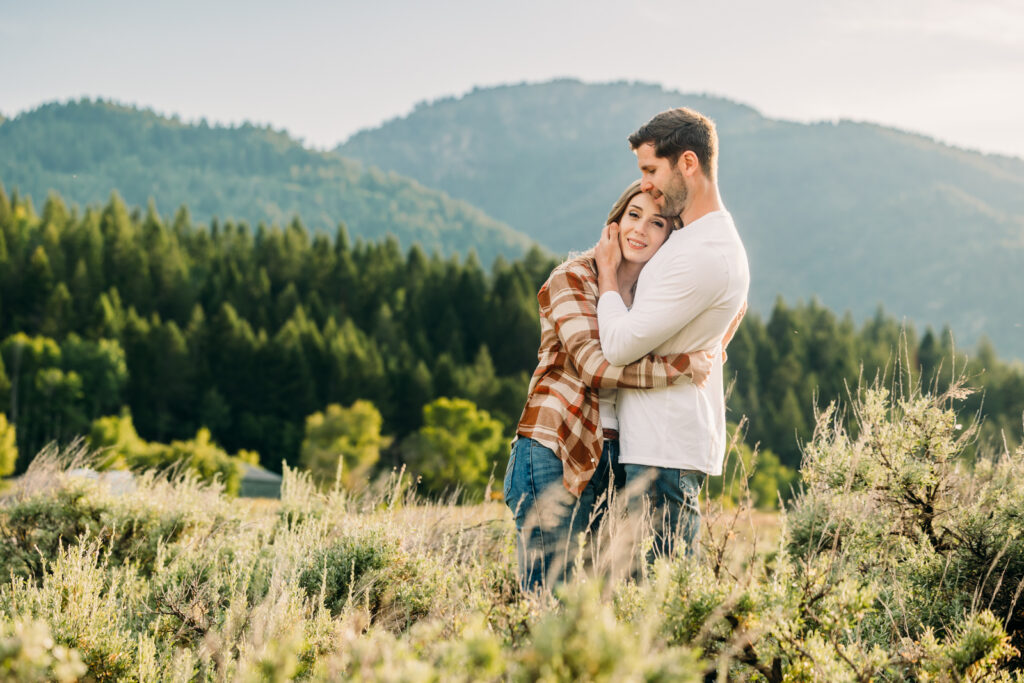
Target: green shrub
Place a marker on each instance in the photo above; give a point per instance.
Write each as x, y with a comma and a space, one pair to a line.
33, 530
86, 605
189, 598
583, 641
898, 502
340, 568
122, 448
458, 446
368, 567
132, 527
349, 437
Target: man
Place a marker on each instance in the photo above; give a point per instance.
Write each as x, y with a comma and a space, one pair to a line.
687, 297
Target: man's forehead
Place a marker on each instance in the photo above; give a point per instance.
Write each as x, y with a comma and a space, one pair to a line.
646, 152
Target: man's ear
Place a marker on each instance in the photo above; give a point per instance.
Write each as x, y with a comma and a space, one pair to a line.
688, 163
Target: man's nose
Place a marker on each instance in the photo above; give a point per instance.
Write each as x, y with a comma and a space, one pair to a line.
646, 185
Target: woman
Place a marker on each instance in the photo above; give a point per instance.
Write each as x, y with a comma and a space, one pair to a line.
566, 441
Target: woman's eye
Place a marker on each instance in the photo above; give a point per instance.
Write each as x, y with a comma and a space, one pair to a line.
634, 214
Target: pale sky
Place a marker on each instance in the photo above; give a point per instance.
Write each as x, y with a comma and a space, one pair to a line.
950, 69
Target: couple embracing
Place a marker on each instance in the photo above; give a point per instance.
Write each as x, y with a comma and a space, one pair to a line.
628, 392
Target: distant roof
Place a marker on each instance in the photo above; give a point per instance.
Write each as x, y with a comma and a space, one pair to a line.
257, 473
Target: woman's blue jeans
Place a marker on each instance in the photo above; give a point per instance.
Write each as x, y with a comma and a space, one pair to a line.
549, 519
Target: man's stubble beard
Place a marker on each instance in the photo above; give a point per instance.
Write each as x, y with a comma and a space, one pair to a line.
676, 196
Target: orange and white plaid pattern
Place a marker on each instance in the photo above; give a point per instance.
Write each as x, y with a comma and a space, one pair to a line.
562, 410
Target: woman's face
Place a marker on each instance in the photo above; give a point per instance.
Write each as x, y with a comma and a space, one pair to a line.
642, 230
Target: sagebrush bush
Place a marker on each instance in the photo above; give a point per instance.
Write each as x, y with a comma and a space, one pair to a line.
584, 641
35, 528
900, 503
369, 567
337, 571
86, 605
131, 527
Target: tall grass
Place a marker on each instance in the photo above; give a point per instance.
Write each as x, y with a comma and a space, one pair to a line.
898, 559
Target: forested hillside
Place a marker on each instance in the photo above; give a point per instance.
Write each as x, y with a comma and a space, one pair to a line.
855, 214
248, 333
84, 150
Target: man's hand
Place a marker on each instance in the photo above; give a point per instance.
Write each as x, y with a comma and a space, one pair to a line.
608, 255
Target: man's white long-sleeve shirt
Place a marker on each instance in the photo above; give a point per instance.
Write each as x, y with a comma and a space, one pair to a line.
686, 296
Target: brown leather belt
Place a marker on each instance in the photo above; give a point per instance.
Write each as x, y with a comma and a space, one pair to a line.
612, 434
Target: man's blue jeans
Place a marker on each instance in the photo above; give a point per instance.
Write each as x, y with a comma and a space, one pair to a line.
672, 499
548, 518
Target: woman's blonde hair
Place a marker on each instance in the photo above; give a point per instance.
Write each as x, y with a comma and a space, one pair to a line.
619, 207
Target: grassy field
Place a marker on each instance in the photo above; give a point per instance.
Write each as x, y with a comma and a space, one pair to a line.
897, 561
175, 581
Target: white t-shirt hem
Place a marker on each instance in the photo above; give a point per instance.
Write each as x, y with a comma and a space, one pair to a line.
673, 465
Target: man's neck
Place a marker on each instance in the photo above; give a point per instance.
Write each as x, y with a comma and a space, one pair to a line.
705, 200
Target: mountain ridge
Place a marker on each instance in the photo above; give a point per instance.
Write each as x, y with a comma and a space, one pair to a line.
85, 149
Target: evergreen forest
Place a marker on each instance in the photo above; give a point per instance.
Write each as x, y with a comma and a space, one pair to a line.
245, 333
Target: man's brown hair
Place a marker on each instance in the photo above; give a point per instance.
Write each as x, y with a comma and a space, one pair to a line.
681, 130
